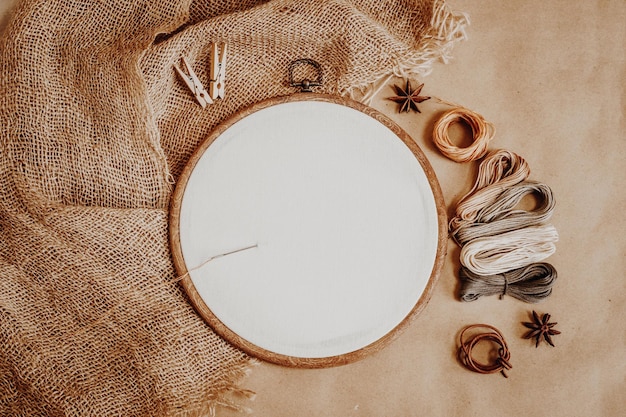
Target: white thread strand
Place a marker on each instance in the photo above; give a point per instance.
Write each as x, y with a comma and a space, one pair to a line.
492, 255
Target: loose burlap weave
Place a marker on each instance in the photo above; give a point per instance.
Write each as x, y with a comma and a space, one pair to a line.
95, 128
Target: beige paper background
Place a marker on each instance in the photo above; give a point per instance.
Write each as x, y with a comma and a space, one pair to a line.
550, 75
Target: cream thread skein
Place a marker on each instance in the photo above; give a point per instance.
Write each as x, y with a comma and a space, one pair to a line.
492, 255
482, 133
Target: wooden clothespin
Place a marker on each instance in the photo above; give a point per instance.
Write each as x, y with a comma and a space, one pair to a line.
218, 71
193, 83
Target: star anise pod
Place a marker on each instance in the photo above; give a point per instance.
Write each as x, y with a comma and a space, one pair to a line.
541, 328
408, 98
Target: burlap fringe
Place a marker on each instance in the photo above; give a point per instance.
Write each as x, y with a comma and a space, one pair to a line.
224, 397
447, 28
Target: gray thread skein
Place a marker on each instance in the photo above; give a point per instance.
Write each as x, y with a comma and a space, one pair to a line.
530, 284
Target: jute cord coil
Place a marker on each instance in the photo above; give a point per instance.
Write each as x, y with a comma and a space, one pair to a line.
499, 170
500, 364
502, 216
491, 255
482, 133
530, 284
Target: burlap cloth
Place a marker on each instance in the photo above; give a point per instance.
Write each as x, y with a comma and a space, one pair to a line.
95, 127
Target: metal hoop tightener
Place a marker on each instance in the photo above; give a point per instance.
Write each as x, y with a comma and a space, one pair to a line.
305, 84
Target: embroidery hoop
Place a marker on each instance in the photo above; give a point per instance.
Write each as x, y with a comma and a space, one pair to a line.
192, 279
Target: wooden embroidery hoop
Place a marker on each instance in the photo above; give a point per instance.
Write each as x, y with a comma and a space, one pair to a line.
271, 355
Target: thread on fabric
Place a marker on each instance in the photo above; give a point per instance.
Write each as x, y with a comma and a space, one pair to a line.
212, 258
500, 364
482, 133
499, 170
531, 283
502, 216
492, 255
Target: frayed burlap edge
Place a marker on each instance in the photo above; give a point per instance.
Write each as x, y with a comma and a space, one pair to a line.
447, 28
230, 397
